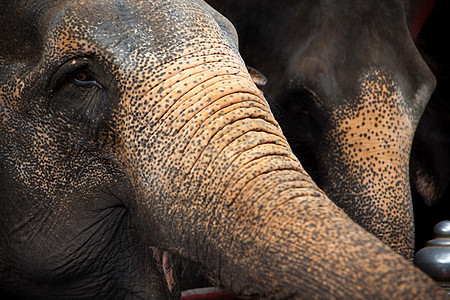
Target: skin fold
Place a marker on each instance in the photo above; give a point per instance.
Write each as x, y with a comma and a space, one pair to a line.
133, 137
348, 87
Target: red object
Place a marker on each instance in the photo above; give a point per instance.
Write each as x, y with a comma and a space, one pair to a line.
207, 293
421, 11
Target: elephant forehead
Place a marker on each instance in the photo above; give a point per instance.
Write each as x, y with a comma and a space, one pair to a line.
128, 31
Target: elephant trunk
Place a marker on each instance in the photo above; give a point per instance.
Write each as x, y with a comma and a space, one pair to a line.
374, 138
217, 183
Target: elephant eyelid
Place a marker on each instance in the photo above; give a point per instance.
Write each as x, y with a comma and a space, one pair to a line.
75, 71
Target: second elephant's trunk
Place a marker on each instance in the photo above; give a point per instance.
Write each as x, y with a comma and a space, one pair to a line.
367, 153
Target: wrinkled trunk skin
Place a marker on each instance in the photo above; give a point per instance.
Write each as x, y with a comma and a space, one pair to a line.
238, 201
218, 184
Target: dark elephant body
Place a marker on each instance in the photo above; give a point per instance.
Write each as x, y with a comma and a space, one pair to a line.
350, 87
430, 159
132, 136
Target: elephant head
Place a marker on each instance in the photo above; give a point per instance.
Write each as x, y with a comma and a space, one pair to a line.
350, 87
132, 136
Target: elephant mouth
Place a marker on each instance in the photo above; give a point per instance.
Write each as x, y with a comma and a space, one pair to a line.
194, 290
165, 267
208, 293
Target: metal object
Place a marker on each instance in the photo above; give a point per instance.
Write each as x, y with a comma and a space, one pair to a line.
434, 259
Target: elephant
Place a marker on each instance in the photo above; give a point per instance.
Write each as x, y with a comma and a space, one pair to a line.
348, 87
133, 140
430, 159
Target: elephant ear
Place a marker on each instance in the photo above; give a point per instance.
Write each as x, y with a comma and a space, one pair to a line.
258, 78
430, 159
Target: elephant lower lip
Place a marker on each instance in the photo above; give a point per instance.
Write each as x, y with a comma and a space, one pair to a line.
164, 266
206, 293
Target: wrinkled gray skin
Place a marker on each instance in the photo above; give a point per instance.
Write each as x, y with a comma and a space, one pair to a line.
131, 134
350, 86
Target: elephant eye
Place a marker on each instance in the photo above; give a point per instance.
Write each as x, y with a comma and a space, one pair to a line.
301, 115
82, 78
80, 94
